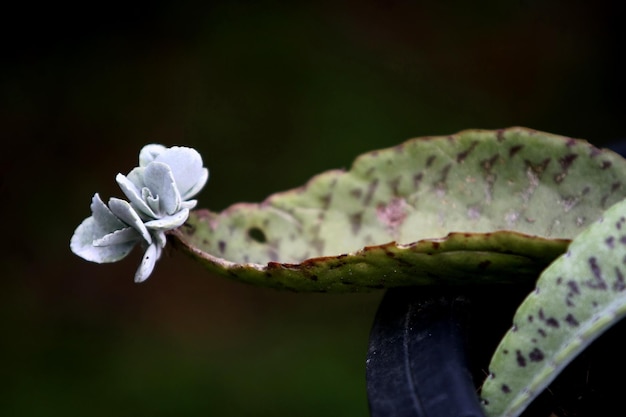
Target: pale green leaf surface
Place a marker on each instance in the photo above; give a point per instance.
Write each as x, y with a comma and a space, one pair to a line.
576, 299
168, 222
123, 210
134, 193
118, 237
88, 232
94, 228
160, 181
478, 206
152, 254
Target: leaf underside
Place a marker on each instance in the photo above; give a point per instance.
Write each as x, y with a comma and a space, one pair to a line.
576, 299
477, 206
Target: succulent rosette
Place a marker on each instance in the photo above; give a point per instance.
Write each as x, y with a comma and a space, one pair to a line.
159, 192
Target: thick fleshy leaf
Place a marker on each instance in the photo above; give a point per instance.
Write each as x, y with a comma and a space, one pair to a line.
186, 166
136, 177
159, 238
82, 244
152, 254
160, 181
102, 222
189, 204
105, 219
197, 186
123, 236
576, 299
478, 205
123, 210
134, 194
169, 222
149, 153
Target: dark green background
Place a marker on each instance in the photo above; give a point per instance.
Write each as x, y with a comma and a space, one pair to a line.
270, 93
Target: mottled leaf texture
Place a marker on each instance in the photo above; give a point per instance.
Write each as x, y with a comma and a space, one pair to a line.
475, 207
577, 298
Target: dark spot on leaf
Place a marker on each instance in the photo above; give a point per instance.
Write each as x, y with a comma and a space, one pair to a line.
598, 281
559, 280
530, 318
610, 242
550, 321
538, 168
326, 200
505, 389
536, 355
514, 149
355, 222
356, 193
417, 179
505, 351
462, 155
430, 160
370, 191
521, 360
257, 235
542, 332
619, 284
571, 320
567, 160
573, 286
394, 184
606, 164
221, 246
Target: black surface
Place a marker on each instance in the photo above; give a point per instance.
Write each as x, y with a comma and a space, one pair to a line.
416, 363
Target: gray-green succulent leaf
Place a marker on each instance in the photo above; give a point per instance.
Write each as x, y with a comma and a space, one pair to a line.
95, 238
158, 191
185, 163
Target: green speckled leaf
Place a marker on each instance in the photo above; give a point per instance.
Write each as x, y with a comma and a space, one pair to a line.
477, 205
576, 299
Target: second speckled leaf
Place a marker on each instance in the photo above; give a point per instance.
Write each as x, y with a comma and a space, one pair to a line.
543, 187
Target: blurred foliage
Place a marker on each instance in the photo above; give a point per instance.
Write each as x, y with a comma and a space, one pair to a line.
270, 93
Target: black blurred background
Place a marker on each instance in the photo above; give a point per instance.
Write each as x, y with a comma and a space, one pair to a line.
270, 93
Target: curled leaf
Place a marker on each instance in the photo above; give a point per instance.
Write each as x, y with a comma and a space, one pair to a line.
576, 299
477, 206
95, 228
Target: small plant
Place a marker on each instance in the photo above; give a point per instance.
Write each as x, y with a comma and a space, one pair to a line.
159, 190
475, 208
